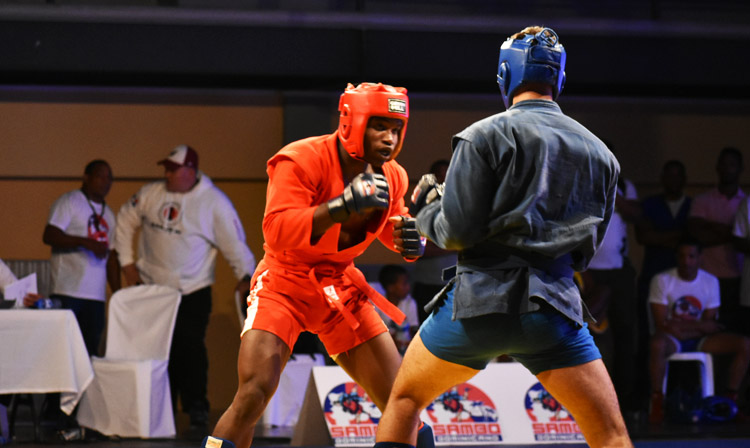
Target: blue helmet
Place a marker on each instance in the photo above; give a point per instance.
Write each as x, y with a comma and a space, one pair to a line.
537, 58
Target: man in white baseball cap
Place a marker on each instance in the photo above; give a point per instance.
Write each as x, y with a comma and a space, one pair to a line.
182, 155
184, 220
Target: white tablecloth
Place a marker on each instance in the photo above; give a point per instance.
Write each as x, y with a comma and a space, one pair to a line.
284, 408
43, 351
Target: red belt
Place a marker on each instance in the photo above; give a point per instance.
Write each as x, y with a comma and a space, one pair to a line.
358, 279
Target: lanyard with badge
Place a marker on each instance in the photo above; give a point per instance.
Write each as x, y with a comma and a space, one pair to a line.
97, 217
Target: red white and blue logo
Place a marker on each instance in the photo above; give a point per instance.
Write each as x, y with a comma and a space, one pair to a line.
170, 214
688, 308
351, 415
466, 415
97, 228
550, 421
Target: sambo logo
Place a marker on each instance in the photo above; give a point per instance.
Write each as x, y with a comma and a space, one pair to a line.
351, 415
464, 414
550, 420
688, 307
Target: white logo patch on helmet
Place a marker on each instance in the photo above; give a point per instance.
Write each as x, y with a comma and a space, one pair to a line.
396, 106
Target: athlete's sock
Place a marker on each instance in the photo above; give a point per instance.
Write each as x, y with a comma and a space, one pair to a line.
425, 439
216, 442
392, 445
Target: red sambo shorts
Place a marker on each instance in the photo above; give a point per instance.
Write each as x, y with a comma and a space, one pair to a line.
286, 302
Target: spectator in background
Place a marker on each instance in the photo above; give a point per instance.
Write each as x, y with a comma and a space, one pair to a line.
684, 304
741, 233
610, 281
428, 270
184, 221
80, 230
710, 222
6, 278
395, 282
663, 223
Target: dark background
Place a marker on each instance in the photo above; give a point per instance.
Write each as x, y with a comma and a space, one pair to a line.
618, 48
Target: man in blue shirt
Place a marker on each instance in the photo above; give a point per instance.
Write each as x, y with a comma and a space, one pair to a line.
527, 200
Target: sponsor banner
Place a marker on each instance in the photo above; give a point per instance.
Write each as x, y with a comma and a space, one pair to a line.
550, 421
350, 414
503, 404
464, 415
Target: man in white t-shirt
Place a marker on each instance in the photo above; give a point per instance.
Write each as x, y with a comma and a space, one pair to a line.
611, 281
684, 305
80, 229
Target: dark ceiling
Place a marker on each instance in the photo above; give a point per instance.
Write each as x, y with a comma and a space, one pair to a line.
642, 48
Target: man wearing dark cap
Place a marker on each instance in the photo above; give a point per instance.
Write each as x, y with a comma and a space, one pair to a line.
184, 220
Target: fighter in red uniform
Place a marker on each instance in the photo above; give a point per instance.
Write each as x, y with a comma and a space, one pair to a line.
328, 198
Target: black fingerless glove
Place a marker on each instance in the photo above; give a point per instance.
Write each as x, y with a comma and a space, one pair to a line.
413, 243
366, 191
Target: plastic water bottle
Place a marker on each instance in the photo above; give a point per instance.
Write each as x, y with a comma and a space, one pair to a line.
47, 304
43, 304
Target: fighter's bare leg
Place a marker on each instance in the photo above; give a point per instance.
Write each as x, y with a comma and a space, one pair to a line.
262, 357
587, 393
421, 379
373, 365
739, 345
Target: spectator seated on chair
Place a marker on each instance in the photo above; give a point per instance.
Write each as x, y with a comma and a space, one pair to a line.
6, 279
684, 304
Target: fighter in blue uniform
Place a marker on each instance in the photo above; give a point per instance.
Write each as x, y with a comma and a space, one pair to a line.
527, 199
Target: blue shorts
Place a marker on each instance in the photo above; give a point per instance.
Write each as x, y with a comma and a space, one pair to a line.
687, 345
540, 340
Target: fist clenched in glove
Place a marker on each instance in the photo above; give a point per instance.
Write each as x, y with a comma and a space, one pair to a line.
366, 191
406, 239
427, 190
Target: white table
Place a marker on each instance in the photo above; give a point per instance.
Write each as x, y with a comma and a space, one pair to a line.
43, 351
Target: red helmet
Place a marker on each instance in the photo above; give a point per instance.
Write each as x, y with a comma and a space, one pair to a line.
367, 100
